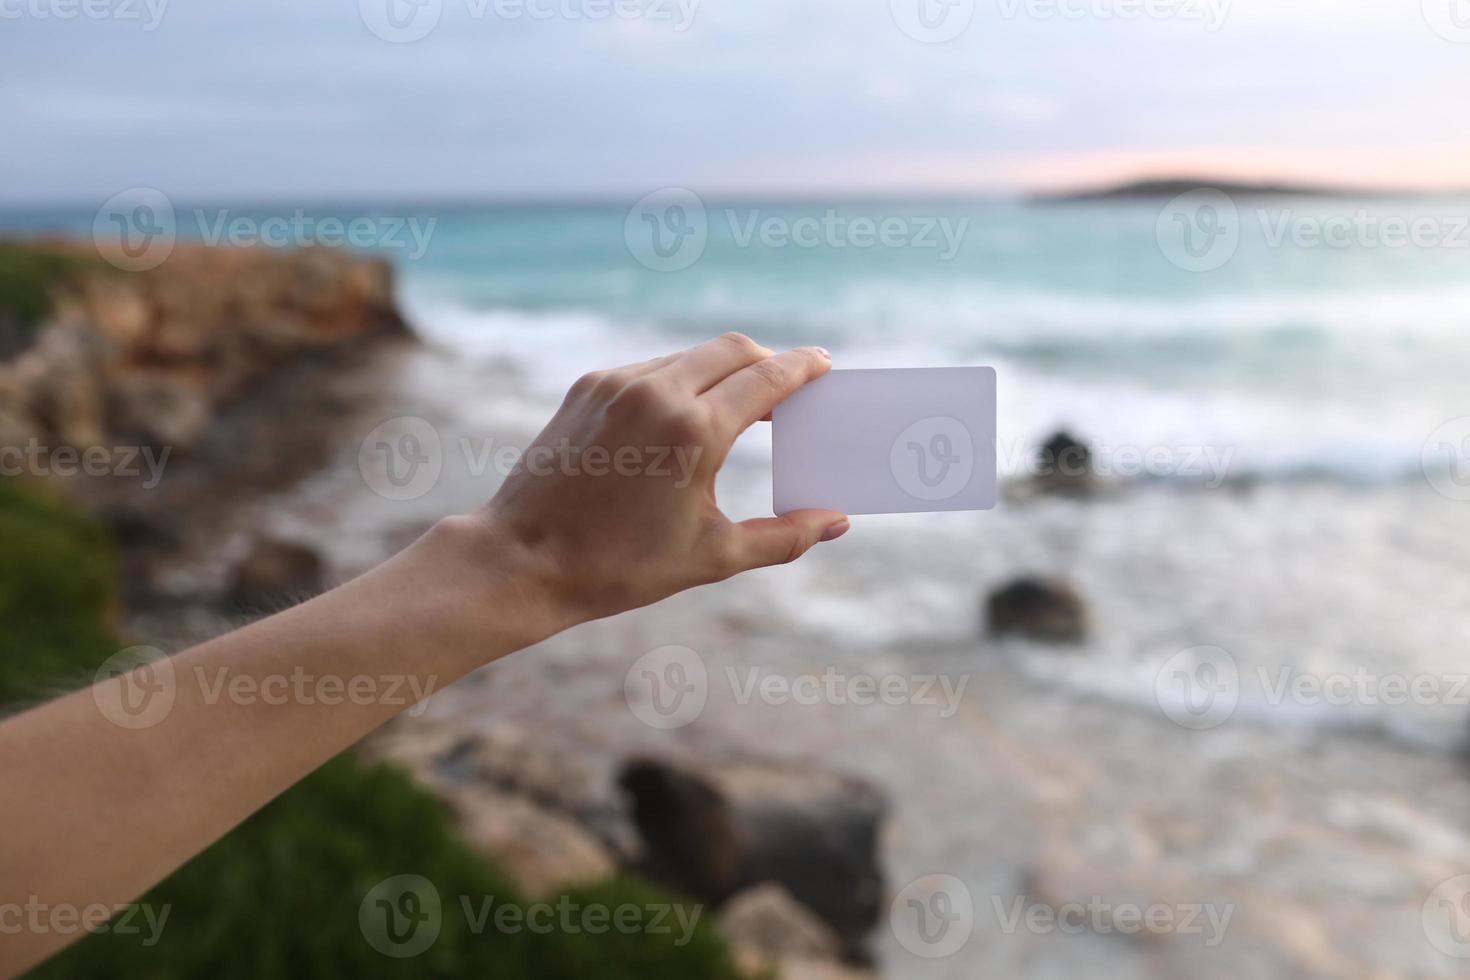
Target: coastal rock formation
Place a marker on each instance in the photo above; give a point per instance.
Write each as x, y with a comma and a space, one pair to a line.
1047, 610
148, 357
722, 828
529, 806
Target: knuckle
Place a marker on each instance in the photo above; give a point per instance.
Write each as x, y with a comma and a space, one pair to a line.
684, 423
590, 382
739, 341
638, 398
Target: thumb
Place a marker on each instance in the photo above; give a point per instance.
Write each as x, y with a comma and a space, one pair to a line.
777, 540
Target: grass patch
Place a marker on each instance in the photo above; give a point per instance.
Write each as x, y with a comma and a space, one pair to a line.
56, 595
29, 275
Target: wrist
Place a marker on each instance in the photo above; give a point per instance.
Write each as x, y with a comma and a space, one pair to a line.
503, 592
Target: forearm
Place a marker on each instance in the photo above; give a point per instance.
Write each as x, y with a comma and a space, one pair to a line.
100, 800
98, 813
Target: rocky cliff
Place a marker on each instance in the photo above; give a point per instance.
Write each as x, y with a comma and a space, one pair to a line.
150, 357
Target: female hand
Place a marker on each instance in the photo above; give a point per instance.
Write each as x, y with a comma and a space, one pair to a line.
615, 501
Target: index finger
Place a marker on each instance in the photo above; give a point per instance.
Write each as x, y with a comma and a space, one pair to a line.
749, 395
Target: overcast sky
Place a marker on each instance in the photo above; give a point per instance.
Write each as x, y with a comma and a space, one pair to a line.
303, 100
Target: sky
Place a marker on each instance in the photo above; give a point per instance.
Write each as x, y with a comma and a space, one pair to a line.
317, 100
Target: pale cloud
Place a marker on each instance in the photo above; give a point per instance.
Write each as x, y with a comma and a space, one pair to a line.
289, 99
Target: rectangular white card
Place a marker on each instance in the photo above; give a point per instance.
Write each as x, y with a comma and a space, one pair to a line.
890, 441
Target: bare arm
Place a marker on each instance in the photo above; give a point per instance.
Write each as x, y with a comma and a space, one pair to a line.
96, 813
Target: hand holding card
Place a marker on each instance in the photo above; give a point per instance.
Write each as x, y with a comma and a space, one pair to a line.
887, 441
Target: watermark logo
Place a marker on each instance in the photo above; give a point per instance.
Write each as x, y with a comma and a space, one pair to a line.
401, 21
1445, 459
1198, 688
1446, 917
401, 916
401, 459
135, 230
667, 688
933, 459
135, 688
1199, 231
933, 916
933, 21
1450, 19
668, 230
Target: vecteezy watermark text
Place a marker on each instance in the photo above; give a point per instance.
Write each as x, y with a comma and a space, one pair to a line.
1201, 687
404, 458
300, 230
1201, 230
669, 687
137, 229
938, 21
137, 688
1207, 463
36, 917
935, 915
669, 230
147, 13
407, 21
127, 462
1211, 13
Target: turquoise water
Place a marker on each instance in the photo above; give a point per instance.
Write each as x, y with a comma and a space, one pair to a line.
1301, 357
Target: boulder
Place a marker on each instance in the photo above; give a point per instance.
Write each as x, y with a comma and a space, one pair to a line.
1064, 465
1042, 609
766, 924
542, 850
717, 829
276, 572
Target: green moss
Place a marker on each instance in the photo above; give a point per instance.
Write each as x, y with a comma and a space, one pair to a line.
280, 895
29, 275
56, 588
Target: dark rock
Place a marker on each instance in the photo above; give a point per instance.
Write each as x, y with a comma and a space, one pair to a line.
1048, 610
276, 572
135, 530
1064, 465
719, 829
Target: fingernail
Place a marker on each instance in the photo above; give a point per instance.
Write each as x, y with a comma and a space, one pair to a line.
837, 530
824, 352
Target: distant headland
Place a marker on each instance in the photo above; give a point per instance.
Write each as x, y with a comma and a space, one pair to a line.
1168, 187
